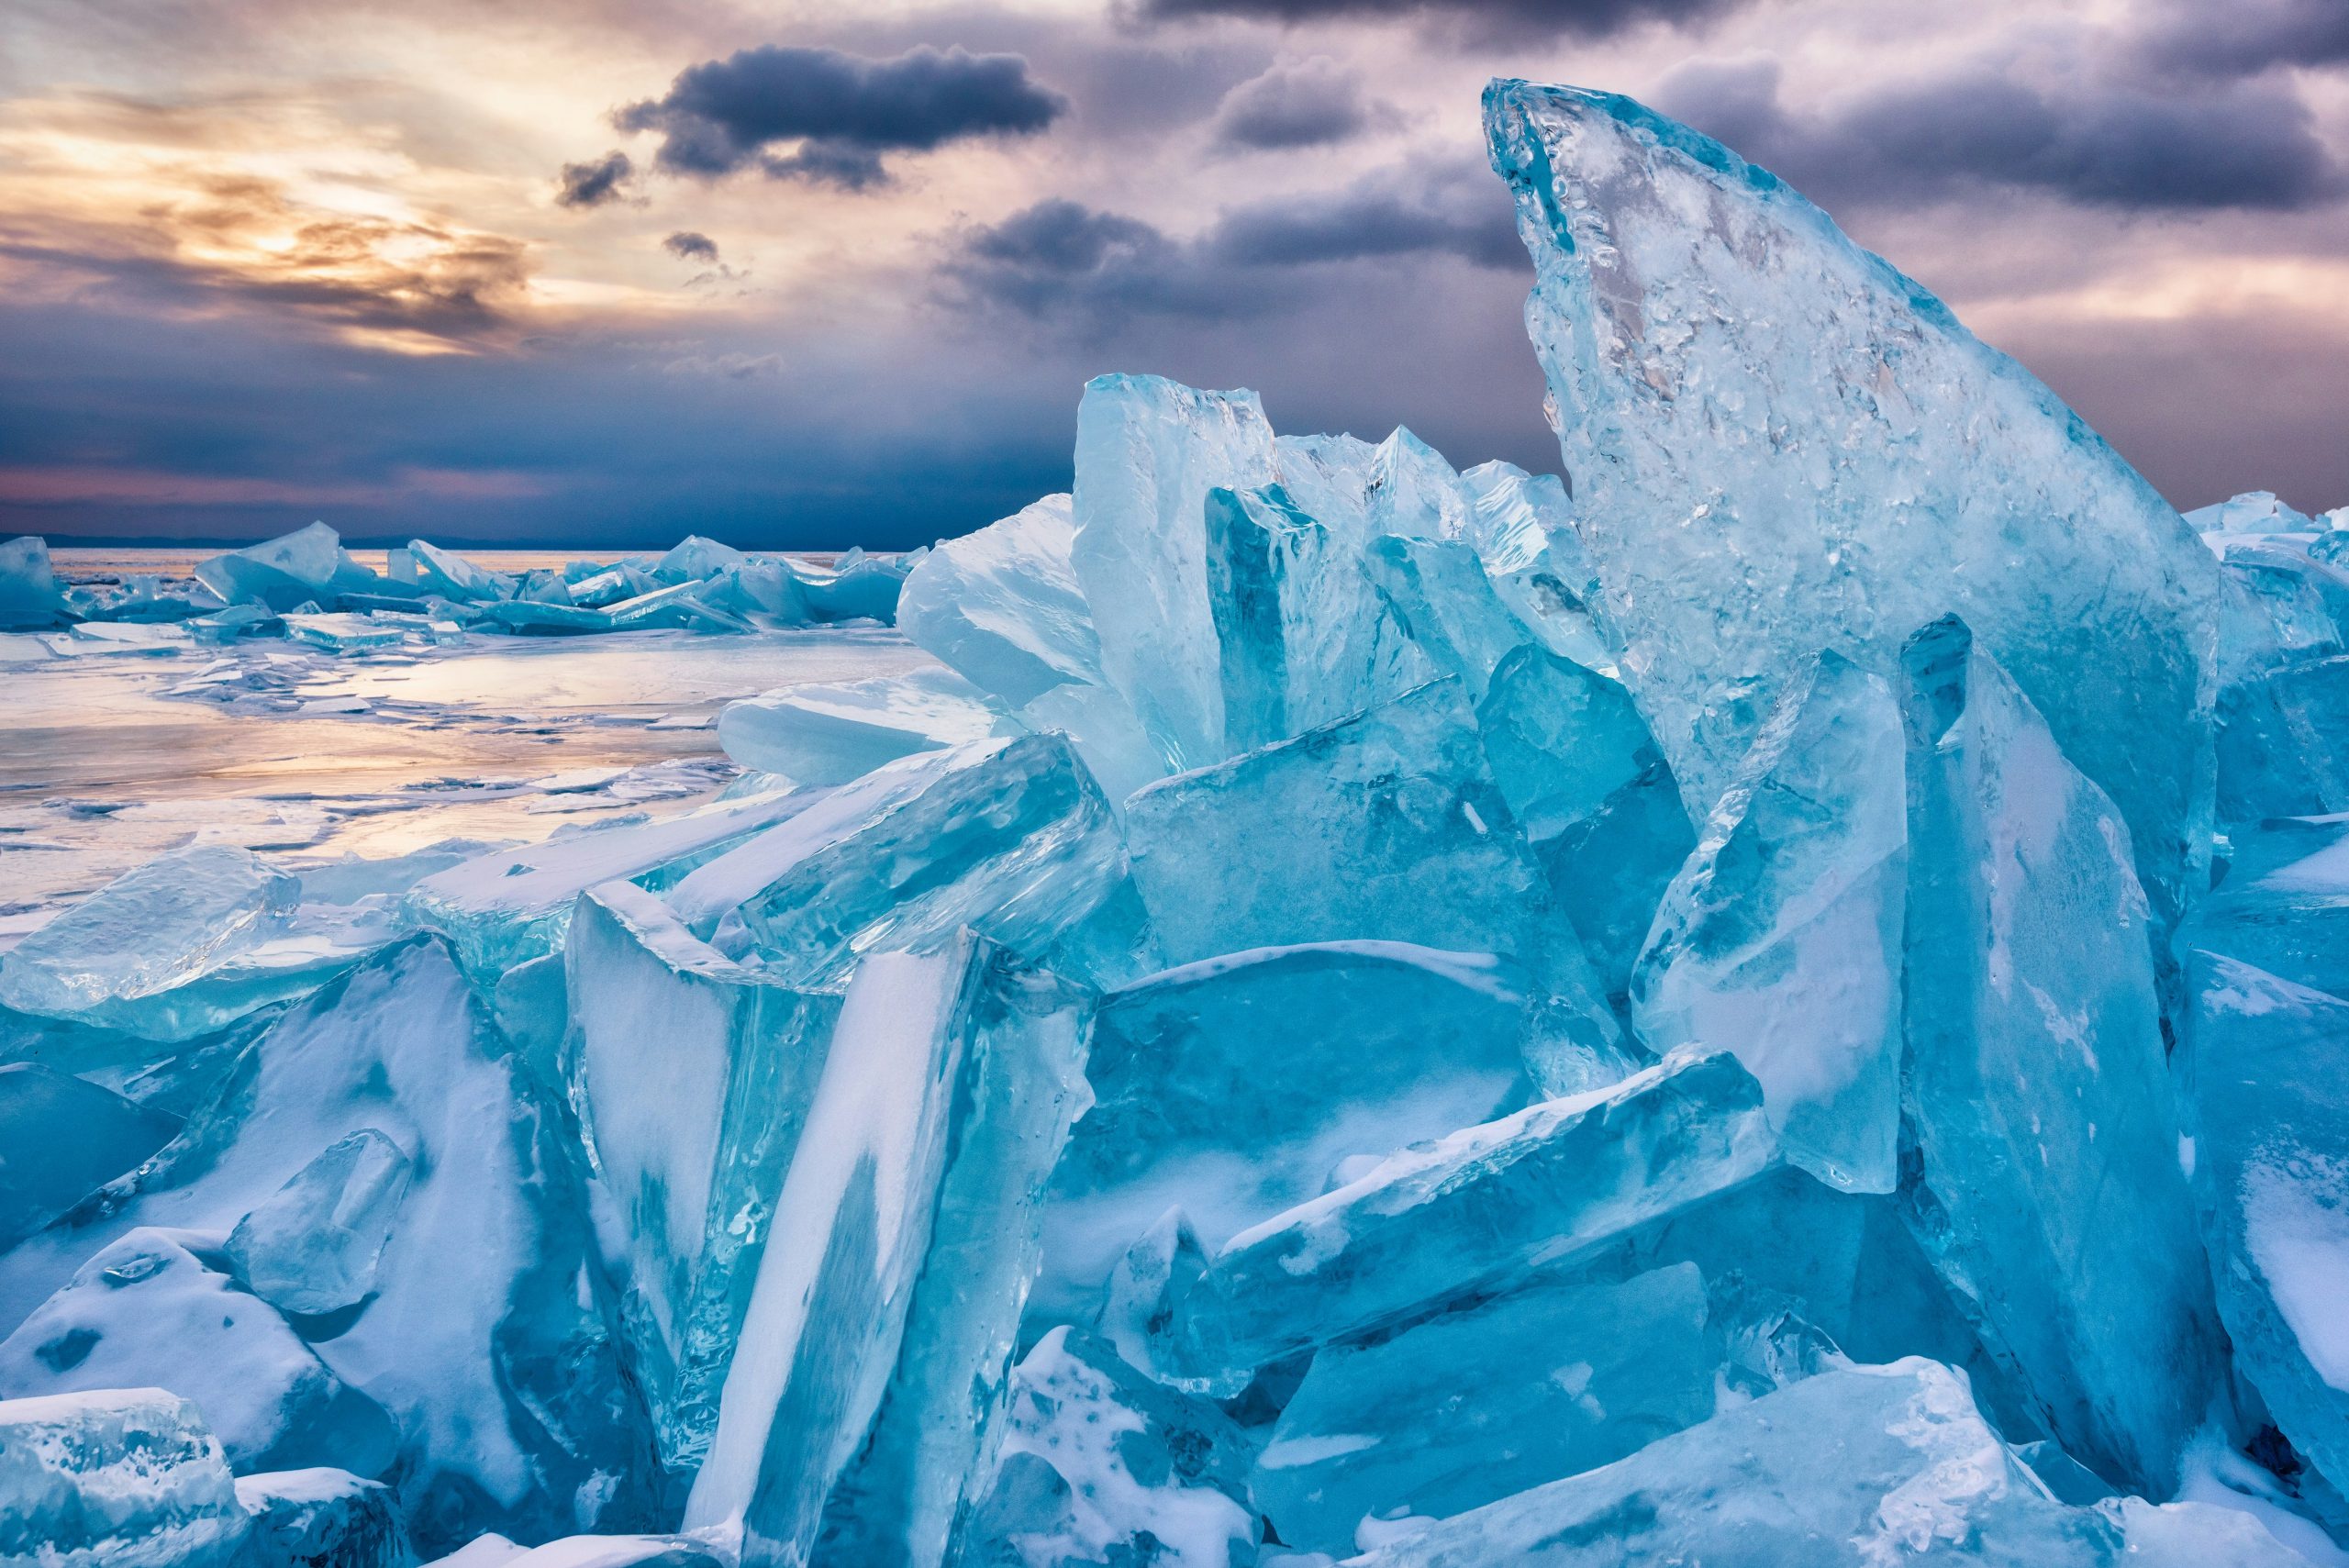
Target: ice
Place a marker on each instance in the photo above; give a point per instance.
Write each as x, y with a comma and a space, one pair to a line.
693, 558
2284, 906
31, 595
1561, 741
1302, 637
503, 908
1147, 452
1101, 1466
1385, 825
322, 1518
344, 633
1328, 477
2269, 1124
528, 615
693, 1077
1523, 530
1862, 1465
1012, 840
1438, 589
1776, 442
488, 1336
60, 1138
315, 1245
177, 947
859, 586
1413, 493
942, 1420
817, 734
2035, 1076
284, 574
1235, 1085
2253, 512
615, 1552
1566, 1379
120, 1478
146, 1312
827, 1310
1780, 938
1476, 1211
1003, 606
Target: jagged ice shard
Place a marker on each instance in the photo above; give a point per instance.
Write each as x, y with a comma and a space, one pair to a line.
1774, 442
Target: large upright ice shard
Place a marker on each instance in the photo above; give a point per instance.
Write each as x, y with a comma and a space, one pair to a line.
1777, 441
692, 1076
2035, 1076
1780, 938
1147, 452
827, 1313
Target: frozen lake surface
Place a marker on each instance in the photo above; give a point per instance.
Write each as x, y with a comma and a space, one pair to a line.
114, 756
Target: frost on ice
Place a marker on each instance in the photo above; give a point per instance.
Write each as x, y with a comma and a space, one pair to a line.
1771, 998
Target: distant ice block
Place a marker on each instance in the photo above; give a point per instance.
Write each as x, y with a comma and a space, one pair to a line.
1147, 452
308, 565
322, 1518
60, 1138
693, 558
118, 1478
1780, 938
1385, 825
1235, 1086
145, 1312
822, 734
1776, 443
1563, 1379
2268, 1125
314, 1246
1101, 1466
2252, 512
1523, 531
692, 1076
1855, 1468
31, 595
2036, 1077
1475, 1212
1413, 493
1003, 605
344, 633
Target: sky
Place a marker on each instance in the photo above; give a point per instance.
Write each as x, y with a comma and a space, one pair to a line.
804, 275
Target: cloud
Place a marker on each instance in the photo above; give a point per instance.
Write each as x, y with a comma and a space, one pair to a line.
1060, 258
2095, 139
1311, 103
842, 111
2242, 38
687, 245
594, 183
1471, 19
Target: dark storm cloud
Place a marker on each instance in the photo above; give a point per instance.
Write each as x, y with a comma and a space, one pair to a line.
594, 183
1471, 19
1309, 104
2101, 142
2238, 38
1060, 258
687, 245
844, 110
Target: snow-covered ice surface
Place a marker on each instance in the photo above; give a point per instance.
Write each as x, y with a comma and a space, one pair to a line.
1779, 998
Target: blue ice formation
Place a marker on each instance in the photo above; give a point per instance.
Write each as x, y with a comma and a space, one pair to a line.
1776, 1000
306, 587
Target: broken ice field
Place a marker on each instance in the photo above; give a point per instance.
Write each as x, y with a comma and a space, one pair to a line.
1780, 996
